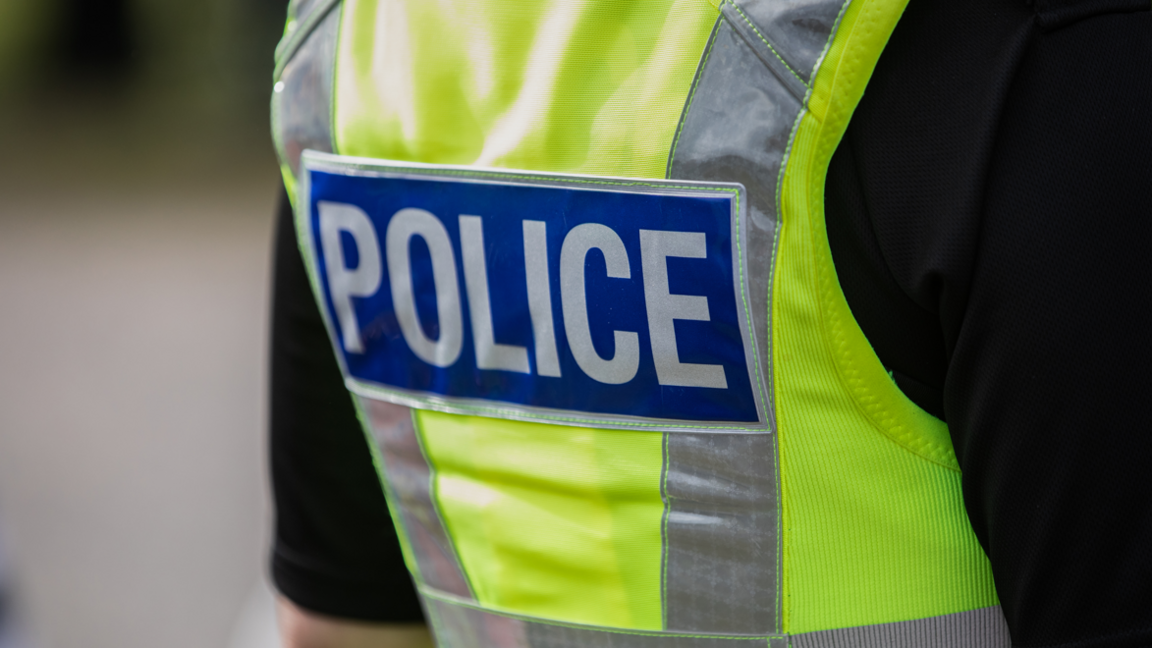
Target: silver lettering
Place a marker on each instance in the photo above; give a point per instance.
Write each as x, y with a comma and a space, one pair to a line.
405, 224
343, 282
580, 240
664, 308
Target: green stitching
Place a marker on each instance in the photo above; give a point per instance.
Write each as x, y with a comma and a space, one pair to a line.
775, 247
769, 45
744, 298
692, 96
664, 534
828, 43
451, 600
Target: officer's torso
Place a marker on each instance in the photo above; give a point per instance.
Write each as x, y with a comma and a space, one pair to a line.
572, 259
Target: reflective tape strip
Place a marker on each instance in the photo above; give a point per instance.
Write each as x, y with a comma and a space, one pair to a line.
722, 545
720, 535
983, 628
460, 625
304, 16
737, 126
302, 96
798, 31
410, 480
785, 74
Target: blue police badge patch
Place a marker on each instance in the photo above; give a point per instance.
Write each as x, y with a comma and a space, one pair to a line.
606, 302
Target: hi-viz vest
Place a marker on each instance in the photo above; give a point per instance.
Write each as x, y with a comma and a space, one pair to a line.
572, 258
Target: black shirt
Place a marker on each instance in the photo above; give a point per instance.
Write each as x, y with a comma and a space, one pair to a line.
990, 216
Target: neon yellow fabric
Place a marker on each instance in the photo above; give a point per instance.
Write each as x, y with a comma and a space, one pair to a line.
553, 85
562, 522
875, 529
552, 521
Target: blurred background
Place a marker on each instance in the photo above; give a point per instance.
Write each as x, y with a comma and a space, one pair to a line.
137, 186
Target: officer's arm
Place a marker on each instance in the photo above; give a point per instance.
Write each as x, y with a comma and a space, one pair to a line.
336, 551
300, 628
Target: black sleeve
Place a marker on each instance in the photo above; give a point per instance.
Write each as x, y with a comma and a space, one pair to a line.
990, 215
335, 549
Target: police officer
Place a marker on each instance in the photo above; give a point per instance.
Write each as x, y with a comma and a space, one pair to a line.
654, 327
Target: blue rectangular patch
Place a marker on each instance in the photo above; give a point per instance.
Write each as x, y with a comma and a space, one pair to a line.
569, 299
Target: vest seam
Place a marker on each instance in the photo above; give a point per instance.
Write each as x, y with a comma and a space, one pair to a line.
827, 45
692, 93
766, 43
664, 531
780, 564
775, 249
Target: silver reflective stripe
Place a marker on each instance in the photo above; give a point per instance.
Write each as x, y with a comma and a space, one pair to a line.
303, 16
410, 481
785, 74
298, 9
799, 30
737, 126
721, 537
302, 97
460, 625
983, 628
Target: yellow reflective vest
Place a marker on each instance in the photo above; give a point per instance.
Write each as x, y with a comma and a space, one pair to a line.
500, 164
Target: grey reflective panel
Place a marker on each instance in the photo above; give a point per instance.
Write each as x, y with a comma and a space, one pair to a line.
303, 16
786, 75
410, 481
722, 545
457, 626
302, 97
721, 534
463, 626
797, 29
298, 9
983, 628
736, 128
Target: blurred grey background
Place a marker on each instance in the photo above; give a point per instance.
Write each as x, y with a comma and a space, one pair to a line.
137, 186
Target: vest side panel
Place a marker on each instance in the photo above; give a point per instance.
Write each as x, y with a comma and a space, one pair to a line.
876, 527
